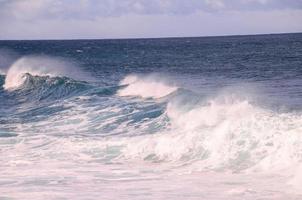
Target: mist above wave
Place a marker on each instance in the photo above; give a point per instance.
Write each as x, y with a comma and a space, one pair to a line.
7, 57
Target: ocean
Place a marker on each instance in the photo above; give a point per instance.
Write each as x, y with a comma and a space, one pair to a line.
172, 118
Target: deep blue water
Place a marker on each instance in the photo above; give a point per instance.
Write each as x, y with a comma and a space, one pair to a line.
76, 103
273, 61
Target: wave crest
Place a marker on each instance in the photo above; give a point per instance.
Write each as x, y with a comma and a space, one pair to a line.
145, 87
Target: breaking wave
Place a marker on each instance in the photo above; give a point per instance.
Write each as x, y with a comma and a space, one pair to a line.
223, 132
40, 66
50, 88
226, 131
145, 87
230, 135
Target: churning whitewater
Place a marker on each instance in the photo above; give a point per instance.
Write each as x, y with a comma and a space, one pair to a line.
74, 130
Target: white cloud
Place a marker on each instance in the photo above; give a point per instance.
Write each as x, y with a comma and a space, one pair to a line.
216, 4
27, 9
257, 1
145, 18
31, 9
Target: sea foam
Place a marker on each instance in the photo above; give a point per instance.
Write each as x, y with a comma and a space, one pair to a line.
231, 135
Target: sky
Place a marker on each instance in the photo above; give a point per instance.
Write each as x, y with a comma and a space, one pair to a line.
98, 19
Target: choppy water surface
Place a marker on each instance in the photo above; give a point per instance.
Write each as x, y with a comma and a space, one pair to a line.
180, 118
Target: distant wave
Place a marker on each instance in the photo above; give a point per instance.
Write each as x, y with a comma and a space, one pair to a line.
40, 66
145, 86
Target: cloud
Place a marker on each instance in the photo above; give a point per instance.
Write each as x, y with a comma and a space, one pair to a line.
33, 19
91, 9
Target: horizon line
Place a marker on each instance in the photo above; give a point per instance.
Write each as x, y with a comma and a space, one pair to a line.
146, 38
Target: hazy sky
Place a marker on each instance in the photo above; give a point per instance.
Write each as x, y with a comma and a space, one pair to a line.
71, 19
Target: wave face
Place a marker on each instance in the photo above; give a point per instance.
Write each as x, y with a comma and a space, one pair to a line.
99, 120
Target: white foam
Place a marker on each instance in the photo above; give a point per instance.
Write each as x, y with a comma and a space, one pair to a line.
145, 87
39, 66
232, 135
296, 179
